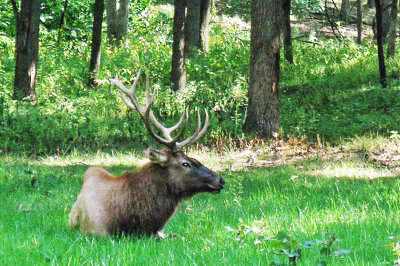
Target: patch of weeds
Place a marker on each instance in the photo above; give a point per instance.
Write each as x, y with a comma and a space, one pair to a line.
395, 246
284, 248
327, 242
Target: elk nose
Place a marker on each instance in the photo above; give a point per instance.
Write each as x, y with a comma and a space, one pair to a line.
222, 181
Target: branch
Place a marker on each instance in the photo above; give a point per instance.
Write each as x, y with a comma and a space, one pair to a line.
333, 26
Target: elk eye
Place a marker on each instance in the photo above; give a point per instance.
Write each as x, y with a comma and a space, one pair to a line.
186, 165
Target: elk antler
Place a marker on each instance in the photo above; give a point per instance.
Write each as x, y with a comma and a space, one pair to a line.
147, 116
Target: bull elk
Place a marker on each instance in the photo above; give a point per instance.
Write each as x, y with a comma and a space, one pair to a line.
141, 202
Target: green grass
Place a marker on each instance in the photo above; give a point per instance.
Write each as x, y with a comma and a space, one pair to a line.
231, 228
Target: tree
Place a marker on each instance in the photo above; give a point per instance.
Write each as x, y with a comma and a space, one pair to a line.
370, 3
27, 21
60, 25
178, 66
192, 24
345, 9
287, 31
95, 54
359, 22
386, 21
263, 107
391, 49
379, 40
197, 22
117, 19
205, 14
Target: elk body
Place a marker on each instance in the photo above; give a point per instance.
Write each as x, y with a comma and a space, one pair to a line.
141, 202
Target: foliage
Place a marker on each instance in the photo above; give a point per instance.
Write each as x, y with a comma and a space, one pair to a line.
307, 7
395, 247
330, 93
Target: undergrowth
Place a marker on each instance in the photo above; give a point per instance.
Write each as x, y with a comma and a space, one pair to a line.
330, 93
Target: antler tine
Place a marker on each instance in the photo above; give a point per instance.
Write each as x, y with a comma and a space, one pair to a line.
170, 142
198, 134
133, 104
148, 126
148, 116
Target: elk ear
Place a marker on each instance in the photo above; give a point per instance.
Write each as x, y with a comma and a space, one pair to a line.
158, 157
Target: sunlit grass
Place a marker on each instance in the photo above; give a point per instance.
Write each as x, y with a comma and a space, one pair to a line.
231, 228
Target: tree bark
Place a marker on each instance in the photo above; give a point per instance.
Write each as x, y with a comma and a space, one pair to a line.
95, 54
370, 3
360, 36
60, 25
385, 5
123, 19
205, 14
287, 31
178, 66
379, 40
391, 49
345, 9
263, 107
117, 20
26, 48
192, 24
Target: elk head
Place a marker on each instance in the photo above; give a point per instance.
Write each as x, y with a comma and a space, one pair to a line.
187, 175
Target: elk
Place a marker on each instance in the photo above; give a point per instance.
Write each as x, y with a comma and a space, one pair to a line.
141, 202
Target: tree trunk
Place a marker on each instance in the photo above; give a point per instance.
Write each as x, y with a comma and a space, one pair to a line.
26, 48
345, 9
178, 67
379, 37
370, 3
192, 24
123, 19
386, 20
205, 14
263, 108
111, 10
117, 20
95, 54
360, 36
391, 49
287, 31
60, 25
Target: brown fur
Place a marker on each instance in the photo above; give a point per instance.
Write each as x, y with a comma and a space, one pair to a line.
142, 201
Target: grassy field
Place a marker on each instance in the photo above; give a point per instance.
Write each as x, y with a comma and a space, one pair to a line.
309, 197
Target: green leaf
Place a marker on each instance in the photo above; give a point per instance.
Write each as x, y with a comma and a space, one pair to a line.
276, 262
308, 244
324, 251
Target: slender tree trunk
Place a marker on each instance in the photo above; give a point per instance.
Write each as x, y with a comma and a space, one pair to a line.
26, 48
263, 108
111, 10
60, 25
371, 3
345, 9
386, 20
117, 19
391, 49
178, 66
123, 19
379, 37
95, 54
205, 14
360, 36
287, 31
192, 24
